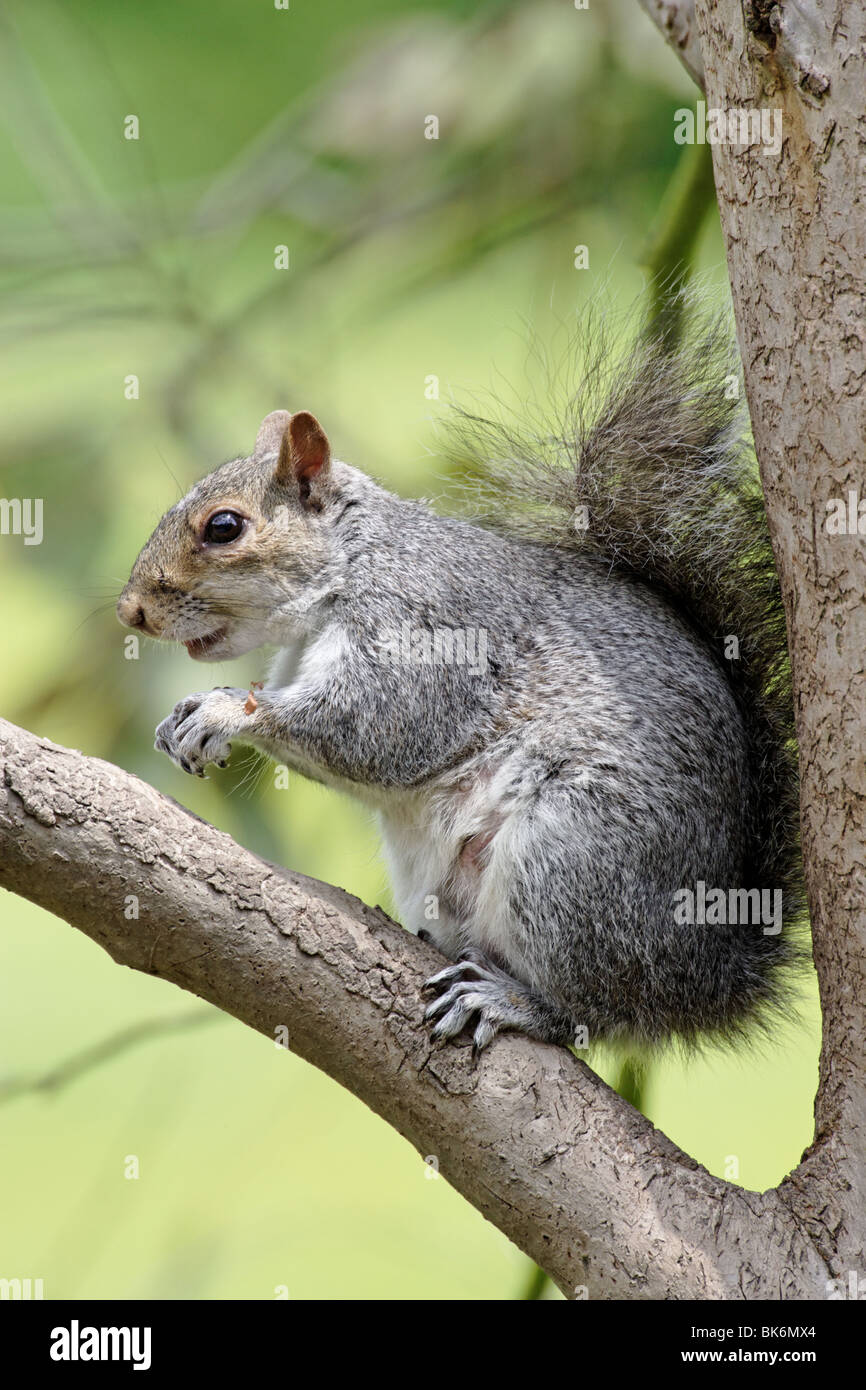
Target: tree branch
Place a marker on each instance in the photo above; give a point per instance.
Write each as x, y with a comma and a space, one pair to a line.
528, 1134
676, 21
69, 1070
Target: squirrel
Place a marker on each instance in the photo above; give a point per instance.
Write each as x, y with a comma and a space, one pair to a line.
571, 714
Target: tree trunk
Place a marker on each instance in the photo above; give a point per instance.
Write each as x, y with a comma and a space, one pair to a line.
795, 230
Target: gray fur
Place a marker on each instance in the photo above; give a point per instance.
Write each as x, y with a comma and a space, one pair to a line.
541, 809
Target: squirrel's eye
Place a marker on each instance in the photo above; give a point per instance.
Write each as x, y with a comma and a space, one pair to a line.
223, 527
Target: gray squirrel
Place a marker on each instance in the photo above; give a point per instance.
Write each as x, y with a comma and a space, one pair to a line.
572, 718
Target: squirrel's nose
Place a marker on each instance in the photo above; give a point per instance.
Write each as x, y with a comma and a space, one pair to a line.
130, 612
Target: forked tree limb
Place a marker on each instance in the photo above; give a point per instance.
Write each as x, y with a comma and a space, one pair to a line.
531, 1137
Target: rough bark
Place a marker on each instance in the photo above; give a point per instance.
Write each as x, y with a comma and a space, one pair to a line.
795, 230
795, 234
579, 1180
676, 20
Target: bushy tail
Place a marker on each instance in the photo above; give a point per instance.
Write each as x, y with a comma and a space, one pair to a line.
649, 468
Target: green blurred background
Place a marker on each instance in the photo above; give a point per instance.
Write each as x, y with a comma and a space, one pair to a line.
409, 259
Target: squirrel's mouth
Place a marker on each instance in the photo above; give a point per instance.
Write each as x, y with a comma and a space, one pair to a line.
200, 646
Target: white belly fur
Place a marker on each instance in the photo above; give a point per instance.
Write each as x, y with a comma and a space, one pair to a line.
437, 885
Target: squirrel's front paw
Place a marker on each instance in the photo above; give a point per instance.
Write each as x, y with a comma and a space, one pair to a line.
199, 729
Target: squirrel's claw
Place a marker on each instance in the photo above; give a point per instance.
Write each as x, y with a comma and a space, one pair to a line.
485, 996
461, 1003
468, 961
474, 988
198, 730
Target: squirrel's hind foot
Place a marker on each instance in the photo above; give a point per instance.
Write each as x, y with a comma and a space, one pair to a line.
475, 989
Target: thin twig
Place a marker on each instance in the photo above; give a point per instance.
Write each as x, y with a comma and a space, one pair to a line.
73, 1067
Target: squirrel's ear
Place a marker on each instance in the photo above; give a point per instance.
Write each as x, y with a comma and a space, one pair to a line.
304, 451
271, 431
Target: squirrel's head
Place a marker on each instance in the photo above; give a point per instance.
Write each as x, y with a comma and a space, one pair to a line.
236, 564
